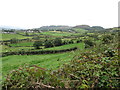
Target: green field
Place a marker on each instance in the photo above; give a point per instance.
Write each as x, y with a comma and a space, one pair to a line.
11, 36
12, 49
48, 61
79, 45
57, 33
22, 44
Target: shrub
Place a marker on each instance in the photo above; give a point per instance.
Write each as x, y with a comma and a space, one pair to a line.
78, 41
89, 70
14, 40
107, 39
71, 42
57, 42
48, 44
89, 43
37, 44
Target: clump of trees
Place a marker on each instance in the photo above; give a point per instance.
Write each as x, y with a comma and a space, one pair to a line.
107, 39
57, 42
89, 43
53, 43
14, 40
48, 44
37, 44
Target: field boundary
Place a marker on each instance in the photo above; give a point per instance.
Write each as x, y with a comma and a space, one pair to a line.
37, 52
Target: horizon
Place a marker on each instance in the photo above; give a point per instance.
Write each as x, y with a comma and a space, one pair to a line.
28, 14
13, 27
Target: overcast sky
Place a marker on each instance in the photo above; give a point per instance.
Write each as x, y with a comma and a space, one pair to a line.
37, 13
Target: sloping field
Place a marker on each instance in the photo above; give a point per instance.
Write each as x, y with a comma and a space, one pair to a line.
48, 61
23, 44
10, 36
79, 45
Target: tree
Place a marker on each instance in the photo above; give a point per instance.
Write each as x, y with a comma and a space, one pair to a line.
48, 44
57, 42
89, 43
107, 39
26, 33
71, 42
78, 41
65, 42
37, 44
14, 40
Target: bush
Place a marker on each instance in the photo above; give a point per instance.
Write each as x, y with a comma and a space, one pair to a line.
71, 42
48, 44
65, 42
89, 70
57, 42
14, 40
107, 39
37, 44
78, 41
89, 43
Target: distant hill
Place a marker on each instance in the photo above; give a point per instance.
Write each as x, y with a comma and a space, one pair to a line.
97, 28
87, 27
77, 28
54, 28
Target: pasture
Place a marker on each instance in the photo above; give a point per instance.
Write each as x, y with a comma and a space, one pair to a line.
11, 36
48, 61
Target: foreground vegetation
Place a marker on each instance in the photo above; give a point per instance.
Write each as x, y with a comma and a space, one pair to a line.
88, 70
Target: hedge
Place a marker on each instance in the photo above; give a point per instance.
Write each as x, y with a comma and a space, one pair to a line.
37, 52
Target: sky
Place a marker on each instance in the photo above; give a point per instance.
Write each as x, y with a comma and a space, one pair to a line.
36, 13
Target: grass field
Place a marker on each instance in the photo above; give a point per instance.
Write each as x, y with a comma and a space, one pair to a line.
48, 61
79, 45
10, 36
10, 49
23, 44
57, 33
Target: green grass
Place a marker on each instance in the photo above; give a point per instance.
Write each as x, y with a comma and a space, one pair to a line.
79, 45
12, 49
10, 36
57, 33
48, 61
23, 44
